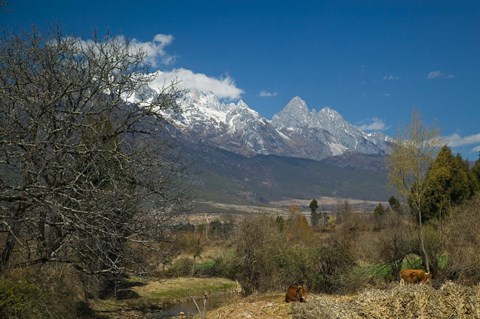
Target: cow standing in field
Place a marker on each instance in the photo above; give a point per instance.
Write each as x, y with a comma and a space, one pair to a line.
296, 293
414, 276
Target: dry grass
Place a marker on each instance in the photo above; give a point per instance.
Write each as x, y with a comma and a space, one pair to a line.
415, 302
263, 306
409, 302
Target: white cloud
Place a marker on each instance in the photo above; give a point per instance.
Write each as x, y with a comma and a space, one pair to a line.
376, 124
154, 50
267, 94
439, 75
476, 149
391, 77
456, 140
387, 94
223, 88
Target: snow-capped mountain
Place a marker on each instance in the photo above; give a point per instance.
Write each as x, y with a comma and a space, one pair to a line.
234, 126
295, 131
328, 127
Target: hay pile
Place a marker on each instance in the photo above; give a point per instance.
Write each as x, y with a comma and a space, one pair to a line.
414, 301
263, 306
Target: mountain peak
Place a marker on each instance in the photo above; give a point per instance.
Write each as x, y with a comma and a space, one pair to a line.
294, 114
296, 103
295, 131
330, 113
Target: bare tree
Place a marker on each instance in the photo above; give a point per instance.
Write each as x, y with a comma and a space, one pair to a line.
85, 177
413, 152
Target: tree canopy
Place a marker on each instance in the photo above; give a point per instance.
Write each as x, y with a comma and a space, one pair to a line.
84, 175
449, 183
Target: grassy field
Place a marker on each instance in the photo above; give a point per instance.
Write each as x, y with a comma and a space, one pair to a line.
155, 294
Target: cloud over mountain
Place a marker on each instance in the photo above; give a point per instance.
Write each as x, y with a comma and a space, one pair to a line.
223, 88
456, 140
376, 124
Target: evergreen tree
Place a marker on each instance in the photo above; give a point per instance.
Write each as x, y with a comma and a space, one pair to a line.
449, 182
394, 204
476, 168
379, 210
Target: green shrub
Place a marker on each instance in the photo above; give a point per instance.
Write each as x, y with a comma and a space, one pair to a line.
182, 267
17, 299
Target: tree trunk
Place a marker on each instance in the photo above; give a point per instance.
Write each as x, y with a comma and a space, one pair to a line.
193, 266
422, 242
7, 252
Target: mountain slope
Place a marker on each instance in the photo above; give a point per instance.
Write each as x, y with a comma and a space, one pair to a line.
229, 177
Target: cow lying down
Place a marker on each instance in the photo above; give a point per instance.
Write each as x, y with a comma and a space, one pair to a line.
296, 293
414, 276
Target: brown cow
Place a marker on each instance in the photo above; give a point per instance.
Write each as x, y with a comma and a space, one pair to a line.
296, 293
414, 276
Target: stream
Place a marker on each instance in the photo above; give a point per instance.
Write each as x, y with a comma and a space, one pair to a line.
189, 309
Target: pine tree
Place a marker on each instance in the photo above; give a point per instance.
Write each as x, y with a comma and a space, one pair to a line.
449, 183
476, 169
379, 210
394, 204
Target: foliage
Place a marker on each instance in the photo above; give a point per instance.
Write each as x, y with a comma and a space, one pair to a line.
413, 152
449, 182
42, 292
83, 173
314, 215
394, 204
395, 241
268, 259
476, 169
379, 210
462, 242
17, 299
220, 229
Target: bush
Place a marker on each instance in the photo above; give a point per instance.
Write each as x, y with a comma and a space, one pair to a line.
42, 292
462, 243
226, 266
17, 299
182, 267
265, 260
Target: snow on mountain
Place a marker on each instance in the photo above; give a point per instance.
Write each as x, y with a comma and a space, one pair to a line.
327, 127
295, 131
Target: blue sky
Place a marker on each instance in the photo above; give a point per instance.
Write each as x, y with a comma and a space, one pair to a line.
374, 61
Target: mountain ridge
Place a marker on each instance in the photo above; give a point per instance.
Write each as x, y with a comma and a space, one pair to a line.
295, 131
239, 156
